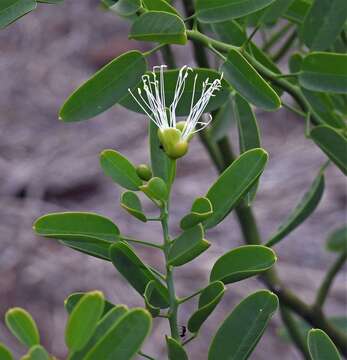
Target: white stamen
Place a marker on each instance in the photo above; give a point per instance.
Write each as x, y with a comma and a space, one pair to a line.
155, 105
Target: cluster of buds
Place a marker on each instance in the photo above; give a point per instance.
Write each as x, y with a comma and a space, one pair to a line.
174, 135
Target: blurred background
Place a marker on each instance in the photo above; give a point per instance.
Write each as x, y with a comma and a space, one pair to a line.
46, 165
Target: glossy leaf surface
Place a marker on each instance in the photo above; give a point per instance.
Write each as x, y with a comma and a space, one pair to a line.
120, 169
103, 326
159, 26
208, 300
211, 11
131, 203
320, 346
333, 144
155, 189
137, 273
22, 326
242, 329
124, 339
201, 210
175, 349
105, 88
189, 245
64, 225
246, 81
323, 23
242, 262
249, 135
11, 10
72, 300
325, 72
83, 320
234, 183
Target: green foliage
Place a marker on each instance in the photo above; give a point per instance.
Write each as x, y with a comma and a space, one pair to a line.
83, 320
245, 79
208, 300
11, 10
240, 332
105, 88
251, 80
337, 241
22, 326
234, 183
303, 210
320, 346
242, 262
160, 27
219, 10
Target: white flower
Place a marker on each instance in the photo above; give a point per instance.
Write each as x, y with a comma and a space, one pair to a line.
152, 102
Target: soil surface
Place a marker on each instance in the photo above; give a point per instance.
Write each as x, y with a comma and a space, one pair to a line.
46, 165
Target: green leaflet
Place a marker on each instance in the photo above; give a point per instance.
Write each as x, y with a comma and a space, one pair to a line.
131, 203
83, 320
249, 135
5, 353
325, 72
208, 300
175, 349
248, 83
320, 346
11, 10
238, 335
242, 262
189, 245
137, 273
124, 339
303, 210
323, 23
234, 183
212, 11
337, 240
104, 325
22, 326
159, 26
120, 169
333, 144
105, 88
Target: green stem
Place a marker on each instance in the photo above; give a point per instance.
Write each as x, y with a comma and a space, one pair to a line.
328, 280
294, 332
276, 36
285, 47
187, 298
173, 302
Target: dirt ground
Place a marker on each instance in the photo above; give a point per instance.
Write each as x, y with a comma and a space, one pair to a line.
46, 165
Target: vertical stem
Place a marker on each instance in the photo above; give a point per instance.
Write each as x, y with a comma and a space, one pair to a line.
294, 332
173, 301
328, 280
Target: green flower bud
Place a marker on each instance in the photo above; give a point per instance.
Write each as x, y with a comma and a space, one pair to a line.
144, 172
172, 143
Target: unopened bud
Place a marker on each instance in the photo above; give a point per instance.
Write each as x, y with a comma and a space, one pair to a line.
144, 172
172, 142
